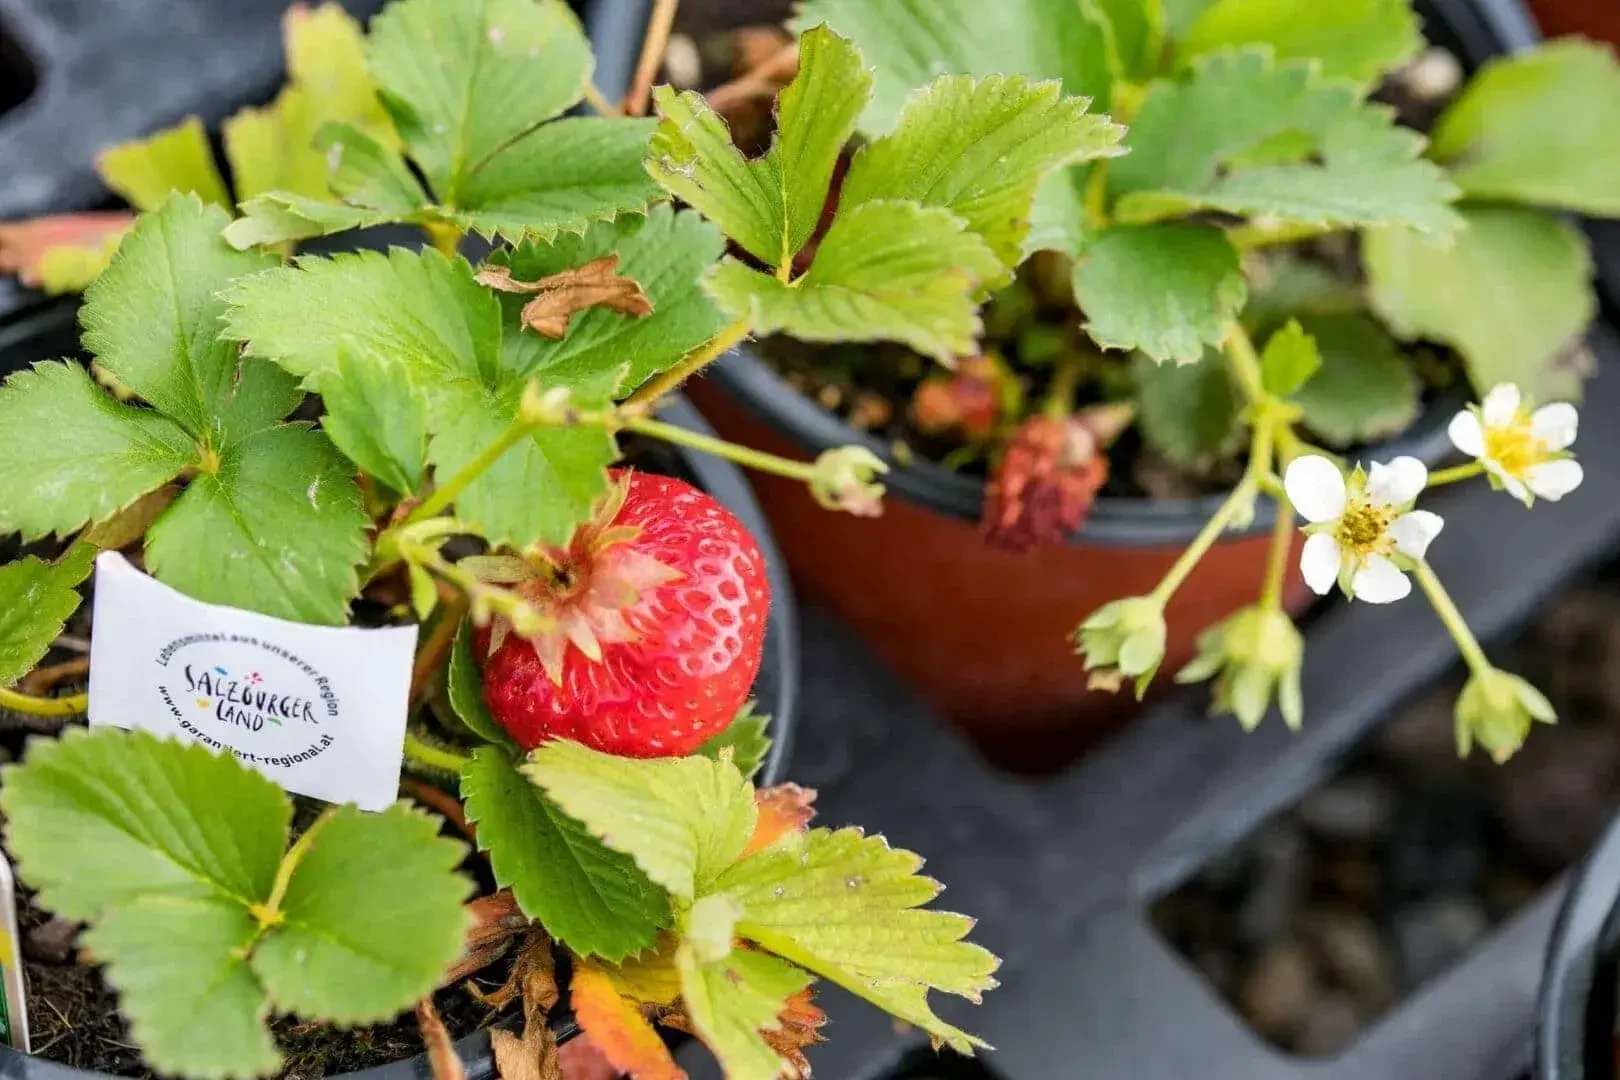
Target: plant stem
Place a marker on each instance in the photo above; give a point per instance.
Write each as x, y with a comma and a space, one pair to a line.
652, 56
424, 554
1259, 465
1065, 382
68, 705
594, 98
433, 757
432, 653
761, 82
708, 444
1245, 363
1456, 473
447, 492
445, 236
1282, 543
269, 913
642, 400
1443, 606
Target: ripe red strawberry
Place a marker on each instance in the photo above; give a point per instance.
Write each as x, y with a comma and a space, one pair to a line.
660, 612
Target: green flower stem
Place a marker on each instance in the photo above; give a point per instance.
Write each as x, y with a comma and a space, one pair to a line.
1259, 466
449, 491
801, 471
1066, 374
1456, 473
1245, 364
269, 913
68, 705
1467, 643
433, 757
445, 236
414, 548
1282, 543
644, 399
594, 98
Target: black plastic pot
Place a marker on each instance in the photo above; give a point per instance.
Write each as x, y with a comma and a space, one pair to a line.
1580, 989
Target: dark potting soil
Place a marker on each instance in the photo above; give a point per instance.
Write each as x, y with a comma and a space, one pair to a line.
1375, 882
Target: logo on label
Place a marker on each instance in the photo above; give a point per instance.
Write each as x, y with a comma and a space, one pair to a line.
236, 692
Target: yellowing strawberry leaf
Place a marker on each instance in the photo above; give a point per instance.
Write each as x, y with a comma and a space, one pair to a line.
428, 315
1187, 412
1331, 161
849, 908
1167, 289
177, 159
1539, 127
377, 415
771, 205
72, 455
1289, 360
1511, 294
36, 598
1365, 389
273, 525
465, 79
732, 1000
616, 1027
1356, 39
745, 737
666, 253
152, 321
909, 43
885, 271
465, 686
61, 253
591, 898
326, 55
683, 820
172, 854
980, 148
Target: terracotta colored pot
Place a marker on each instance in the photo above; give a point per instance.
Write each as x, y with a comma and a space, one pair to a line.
1597, 19
984, 634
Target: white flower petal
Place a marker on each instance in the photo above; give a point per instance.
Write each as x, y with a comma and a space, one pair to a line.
1515, 487
1397, 483
1467, 433
1554, 425
1500, 405
1316, 488
1552, 480
1414, 532
1379, 582
1319, 563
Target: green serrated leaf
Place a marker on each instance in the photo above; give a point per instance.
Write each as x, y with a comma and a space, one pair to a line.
1135, 30
885, 271
683, 820
1188, 412
1057, 219
36, 598
372, 917
1356, 39
176, 159
1289, 360
1365, 389
276, 528
667, 253
1540, 127
367, 172
769, 205
73, 455
1194, 141
171, 853
464, 79
732, 1000
848, 907
591, 898
378, 416
152, 321
465, 686
980, 148
1510, 294
745, 737
273, 147
909, 43
277, 217
1168, 289
1283, 285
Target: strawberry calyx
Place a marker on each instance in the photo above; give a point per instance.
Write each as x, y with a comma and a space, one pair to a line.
581, 593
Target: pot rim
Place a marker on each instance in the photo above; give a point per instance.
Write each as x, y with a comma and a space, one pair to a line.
1574, 1037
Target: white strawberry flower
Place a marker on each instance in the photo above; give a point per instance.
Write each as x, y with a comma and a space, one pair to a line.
1522, 451
1363, 532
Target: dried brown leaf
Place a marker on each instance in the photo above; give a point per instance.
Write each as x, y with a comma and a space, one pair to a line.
559, 297
441, 1051
786, 808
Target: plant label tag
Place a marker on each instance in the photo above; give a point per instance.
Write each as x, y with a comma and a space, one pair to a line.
13, 1001
318, 709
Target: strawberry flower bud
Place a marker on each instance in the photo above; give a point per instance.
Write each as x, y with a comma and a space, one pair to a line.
1123, 639
543, 408
1496, 708
1252, 656
845, 479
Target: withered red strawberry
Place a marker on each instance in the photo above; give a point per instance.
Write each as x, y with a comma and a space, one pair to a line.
656, 622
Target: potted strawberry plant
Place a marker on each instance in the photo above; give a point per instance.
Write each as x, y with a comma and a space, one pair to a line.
1095, 420
297, 449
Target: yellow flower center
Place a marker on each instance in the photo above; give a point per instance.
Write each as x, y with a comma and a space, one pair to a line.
1364, 527
1514, 446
